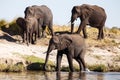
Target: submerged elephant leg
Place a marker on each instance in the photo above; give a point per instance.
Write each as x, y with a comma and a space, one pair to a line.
59, 58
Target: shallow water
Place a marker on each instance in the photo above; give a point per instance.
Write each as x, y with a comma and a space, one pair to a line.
60, 76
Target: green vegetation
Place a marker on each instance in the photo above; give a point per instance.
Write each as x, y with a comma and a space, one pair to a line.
12, 68
3, 23
35, 63
98, 67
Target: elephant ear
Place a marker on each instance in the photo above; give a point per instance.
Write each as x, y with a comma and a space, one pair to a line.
86, 11
65, 42
55, 39
21, 22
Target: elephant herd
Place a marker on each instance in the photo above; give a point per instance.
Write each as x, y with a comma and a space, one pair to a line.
72, 45
35, 21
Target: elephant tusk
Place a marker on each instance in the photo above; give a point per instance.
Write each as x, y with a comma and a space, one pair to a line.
72, 22
69, 21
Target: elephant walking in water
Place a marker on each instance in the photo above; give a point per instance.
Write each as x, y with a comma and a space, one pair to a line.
73, 46
92, 15
44, 16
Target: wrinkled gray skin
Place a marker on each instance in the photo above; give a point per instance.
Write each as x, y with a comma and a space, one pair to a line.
31, 29
44, 16
92, 15
21, 23
72, 45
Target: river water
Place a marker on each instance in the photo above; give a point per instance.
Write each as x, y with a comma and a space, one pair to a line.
31, 75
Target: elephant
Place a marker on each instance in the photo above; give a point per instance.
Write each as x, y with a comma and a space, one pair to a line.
72, 45
92, 15
21, 23
44, 16
31, 29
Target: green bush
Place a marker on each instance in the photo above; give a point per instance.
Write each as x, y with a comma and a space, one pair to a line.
98, 67
2, 22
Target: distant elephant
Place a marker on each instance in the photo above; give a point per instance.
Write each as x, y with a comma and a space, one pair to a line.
44, 16
72, 45
92, 15
21, 23
31, 29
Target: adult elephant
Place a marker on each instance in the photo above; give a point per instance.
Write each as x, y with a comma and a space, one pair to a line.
72, 45
92, 15
44, 16
31, 29
21, 23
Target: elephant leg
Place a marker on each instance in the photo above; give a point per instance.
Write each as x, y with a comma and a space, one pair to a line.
100, 34
72, 27
59, 58
84, 32
39, 31
35, 37
51, 29
27, 38
81, 26
24, 36
43, 31
70, 61
82, 61
78, 60
32, 38
46, 61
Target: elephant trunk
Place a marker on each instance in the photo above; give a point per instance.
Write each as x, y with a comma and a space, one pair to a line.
72, 25
50, 48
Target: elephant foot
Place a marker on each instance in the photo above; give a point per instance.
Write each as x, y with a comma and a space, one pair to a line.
85, 37
34, 42
77, 32
99, 38
43, 36
44, 68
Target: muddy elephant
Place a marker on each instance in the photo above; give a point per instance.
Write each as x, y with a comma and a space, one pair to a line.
92, 15
31, 29
21, 23
72, 45
44, 16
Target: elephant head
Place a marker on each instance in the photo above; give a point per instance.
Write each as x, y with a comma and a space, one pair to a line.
21, 23
83, 12
58, 42
29, 12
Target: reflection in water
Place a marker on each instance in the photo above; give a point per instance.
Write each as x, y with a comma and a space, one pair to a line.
70, 75
59, 76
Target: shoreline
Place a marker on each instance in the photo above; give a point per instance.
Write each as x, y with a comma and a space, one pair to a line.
96, 58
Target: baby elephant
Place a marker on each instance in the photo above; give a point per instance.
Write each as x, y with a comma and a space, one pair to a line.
72, 45
31, 29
